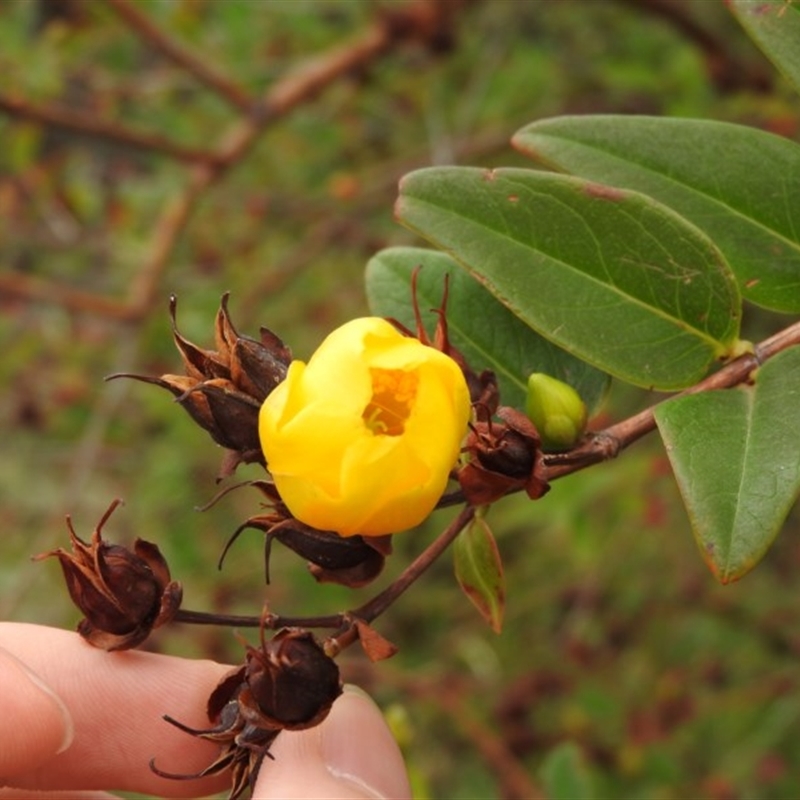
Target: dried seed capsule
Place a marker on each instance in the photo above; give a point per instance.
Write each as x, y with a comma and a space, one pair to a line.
123, 593
223, 389
287, 683
502, 456
291, 682
352, 561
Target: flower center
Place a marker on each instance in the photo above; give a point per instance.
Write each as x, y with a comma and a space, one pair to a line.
393, 395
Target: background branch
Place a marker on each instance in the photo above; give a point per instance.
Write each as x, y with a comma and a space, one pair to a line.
420, 20
201, 68
87, 125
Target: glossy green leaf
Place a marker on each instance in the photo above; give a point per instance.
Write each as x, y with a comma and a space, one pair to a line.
739, 184
480, 327
479, 571
736, 457
612, 276
774, 25
564, 774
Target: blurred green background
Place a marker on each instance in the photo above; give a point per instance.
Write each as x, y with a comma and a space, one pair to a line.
623, 670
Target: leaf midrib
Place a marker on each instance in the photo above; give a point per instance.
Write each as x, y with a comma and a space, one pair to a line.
675, 321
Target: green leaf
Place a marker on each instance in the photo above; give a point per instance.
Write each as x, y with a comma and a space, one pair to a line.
479, 571
487, 334
774, 25
614, 277
565, 775
739, 184
735, 457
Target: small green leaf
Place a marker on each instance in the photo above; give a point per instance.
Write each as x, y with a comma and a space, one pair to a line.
487, 334
739, 184
610, 275
774, 25
565, 775
479, 571
735, 457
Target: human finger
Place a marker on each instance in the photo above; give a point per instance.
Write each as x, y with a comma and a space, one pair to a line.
351, 755
70, 794
117, 702
35, 723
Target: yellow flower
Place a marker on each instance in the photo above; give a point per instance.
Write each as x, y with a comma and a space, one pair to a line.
362, 438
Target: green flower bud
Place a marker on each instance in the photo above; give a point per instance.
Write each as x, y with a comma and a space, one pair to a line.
556, 410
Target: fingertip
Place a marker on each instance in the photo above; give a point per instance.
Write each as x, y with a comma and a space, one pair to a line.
351, 754
48, 728
118, 702
358, 745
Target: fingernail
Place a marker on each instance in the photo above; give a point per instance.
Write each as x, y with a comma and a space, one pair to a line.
358, 746
27, 673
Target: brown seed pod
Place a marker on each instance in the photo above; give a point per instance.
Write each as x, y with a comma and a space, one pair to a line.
353, 561
222, 390
123, 593
502, 457
287, 683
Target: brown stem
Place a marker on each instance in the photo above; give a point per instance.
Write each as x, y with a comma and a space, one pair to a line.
608, 443
599, 446
378, 604
367, 612
778, 342
271, 621
348, 632
88, 125
168, 46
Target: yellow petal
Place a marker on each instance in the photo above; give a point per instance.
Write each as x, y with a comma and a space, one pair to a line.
362, 438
